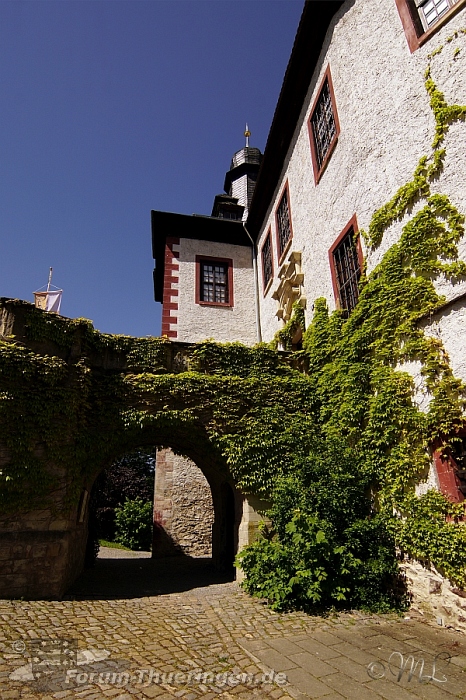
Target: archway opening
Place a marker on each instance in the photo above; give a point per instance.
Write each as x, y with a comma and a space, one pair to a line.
121, 505
196, 516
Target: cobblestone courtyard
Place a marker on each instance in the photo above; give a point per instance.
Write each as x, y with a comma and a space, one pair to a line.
171, 629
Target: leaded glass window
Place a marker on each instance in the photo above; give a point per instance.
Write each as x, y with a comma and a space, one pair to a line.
267, 267
347, 271
323, 123
431, 10
214, 282
283, 223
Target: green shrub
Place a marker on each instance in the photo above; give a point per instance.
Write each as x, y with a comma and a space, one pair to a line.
133, 523
328, 548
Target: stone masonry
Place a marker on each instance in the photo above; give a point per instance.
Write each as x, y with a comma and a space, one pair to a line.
182, 505
196, 641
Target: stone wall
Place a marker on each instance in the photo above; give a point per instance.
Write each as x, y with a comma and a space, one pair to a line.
183, 509
41, 553
434, 596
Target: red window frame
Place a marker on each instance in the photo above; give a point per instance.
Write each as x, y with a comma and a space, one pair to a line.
352, 224
266, 284
211, 260
416, 36
319, 170
447, 471
281, 253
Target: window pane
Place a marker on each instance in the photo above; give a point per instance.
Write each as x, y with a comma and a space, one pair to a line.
283, 223
214, 282
323, 124
347, 271
267, 260
431, 10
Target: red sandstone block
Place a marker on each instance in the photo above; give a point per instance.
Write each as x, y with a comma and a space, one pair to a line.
170, 305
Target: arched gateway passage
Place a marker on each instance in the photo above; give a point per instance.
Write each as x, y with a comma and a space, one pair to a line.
74, 400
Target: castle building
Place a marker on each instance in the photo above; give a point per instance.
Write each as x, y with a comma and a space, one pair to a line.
353, 119
204, 274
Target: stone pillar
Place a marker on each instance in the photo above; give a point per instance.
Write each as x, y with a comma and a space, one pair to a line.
254, 509
183, 509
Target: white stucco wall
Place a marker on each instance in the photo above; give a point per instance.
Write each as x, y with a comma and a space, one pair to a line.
386, 125
224, 324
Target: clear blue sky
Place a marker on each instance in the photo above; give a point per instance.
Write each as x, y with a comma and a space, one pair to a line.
111, 108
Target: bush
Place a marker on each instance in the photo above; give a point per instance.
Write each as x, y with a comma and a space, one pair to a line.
133, 523
328, 548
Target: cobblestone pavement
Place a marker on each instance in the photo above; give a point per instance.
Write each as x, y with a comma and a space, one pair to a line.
171, 629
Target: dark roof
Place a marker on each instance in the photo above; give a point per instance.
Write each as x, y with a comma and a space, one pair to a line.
315, 21
205, 228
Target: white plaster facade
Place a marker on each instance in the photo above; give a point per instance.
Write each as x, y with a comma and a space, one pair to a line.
386, 125
197, 322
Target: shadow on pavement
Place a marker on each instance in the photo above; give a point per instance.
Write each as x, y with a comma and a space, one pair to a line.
138, 577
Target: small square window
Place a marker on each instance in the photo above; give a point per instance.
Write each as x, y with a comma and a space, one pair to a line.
324, 126
345, 263
283, 219
267, 260
214, 281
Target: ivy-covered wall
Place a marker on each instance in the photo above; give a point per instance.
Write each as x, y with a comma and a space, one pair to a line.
332, 435
72, 400
375, 427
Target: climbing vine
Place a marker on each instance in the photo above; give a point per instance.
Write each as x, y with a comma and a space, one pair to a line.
284, 337
337, 448
364, 401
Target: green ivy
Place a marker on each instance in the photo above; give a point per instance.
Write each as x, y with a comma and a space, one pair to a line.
338, 448
284, 337
364, 400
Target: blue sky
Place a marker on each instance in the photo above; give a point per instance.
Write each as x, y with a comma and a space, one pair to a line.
111, 108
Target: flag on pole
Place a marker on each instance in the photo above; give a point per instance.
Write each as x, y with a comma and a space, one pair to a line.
50, 299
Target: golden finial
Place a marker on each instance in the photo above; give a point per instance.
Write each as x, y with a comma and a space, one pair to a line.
247, 133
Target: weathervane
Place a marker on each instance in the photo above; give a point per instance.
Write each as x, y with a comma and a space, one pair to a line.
247, 133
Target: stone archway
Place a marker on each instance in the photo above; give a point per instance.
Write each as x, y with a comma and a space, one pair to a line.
77, 400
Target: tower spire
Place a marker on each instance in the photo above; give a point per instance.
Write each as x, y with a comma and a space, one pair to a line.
247, 133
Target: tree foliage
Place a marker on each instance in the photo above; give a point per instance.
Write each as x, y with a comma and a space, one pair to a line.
128, 479
133, 524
